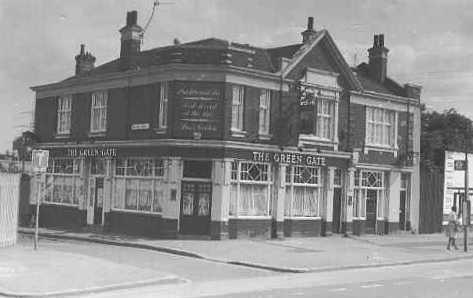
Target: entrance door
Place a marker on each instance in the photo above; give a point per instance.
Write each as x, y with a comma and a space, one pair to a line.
95, 201
337, 210
196, 203
371, 197
402, 211
98, 201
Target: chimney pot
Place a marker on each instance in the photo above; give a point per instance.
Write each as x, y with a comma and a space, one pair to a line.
310, 23
381, 40
82, 49
378, 58
131, 18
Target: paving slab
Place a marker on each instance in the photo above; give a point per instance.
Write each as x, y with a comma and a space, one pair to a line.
47, 272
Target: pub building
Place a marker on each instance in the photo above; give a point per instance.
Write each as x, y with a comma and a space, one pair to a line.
229, 140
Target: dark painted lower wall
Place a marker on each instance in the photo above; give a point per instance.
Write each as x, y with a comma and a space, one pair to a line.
148, 225
57, 216
358, 227
347, 227
302, 228
219, 230
392, 227
326, 228
249, 228
381, 227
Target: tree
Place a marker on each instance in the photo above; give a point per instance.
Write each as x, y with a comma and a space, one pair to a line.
448, 130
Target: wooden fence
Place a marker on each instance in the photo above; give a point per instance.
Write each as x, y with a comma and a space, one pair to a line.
431, 200
9, 199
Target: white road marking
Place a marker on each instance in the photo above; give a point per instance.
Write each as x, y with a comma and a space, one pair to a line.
337, 290
401, 283
371, 286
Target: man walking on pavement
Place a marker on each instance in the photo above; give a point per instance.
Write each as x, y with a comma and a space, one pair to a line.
452, 228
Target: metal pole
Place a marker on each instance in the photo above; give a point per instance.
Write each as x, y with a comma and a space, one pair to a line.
464, 209
38, 196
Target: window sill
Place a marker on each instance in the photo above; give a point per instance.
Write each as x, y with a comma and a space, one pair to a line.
250, 217
136, 211
308, 139
97, 134
359, 218
160, 131
62, 136
381, 148
303, 217
238, 133
265, 137
42, 202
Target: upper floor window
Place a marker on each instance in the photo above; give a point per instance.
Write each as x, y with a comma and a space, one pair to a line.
264, 112
64, 115
318, 115
380, 127
163, 105
238, 96
98, 112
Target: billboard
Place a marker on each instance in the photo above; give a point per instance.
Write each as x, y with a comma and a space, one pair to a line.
454, 180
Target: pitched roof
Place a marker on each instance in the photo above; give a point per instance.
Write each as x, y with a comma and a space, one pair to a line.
389, 86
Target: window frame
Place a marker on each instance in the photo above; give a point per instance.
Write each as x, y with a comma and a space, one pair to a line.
52, 174
238, 108
317, 98
377, 124
237, 181
264, 119
64, 111
163, 105
292, 184
126, 176
101, 109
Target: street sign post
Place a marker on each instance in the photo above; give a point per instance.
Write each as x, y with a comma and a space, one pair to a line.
40, 159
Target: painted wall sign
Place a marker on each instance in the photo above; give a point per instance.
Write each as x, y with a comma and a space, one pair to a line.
140, 126
289, 158
199, 109
92, 152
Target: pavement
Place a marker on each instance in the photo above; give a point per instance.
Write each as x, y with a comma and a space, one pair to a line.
292, 255
25, 272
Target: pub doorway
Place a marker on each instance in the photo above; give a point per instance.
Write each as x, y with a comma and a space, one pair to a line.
196, 198
96, 195
337, 210
371, 208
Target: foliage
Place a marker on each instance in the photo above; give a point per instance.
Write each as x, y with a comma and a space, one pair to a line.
448, 130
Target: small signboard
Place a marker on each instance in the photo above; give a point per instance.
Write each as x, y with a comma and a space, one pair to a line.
40, 160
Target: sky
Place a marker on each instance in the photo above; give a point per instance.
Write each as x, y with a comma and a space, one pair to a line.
430, 41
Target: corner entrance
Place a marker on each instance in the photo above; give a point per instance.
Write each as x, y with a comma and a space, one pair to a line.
196, 198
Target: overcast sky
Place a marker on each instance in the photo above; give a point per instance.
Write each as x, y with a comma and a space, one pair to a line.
430, 41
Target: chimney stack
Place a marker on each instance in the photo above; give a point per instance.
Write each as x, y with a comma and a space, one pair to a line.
130, 36
378, 59
309, 32
85, 61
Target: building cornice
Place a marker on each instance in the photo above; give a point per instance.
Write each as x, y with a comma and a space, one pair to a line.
384, 97
219, 144
154, 74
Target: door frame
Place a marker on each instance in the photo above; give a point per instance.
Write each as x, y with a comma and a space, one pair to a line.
91, 198
197, 180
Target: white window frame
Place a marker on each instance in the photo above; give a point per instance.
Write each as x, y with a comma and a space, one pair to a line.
292, 184
238, 107
52, 175
264, 112
320, 97
154, 179
375, 132
98, 112
360, 195
237, 181
64, 110
163, 105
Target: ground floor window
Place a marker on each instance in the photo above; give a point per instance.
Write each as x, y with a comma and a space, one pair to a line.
251, 189
63, 185
369, 185
303, 191
138, 185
